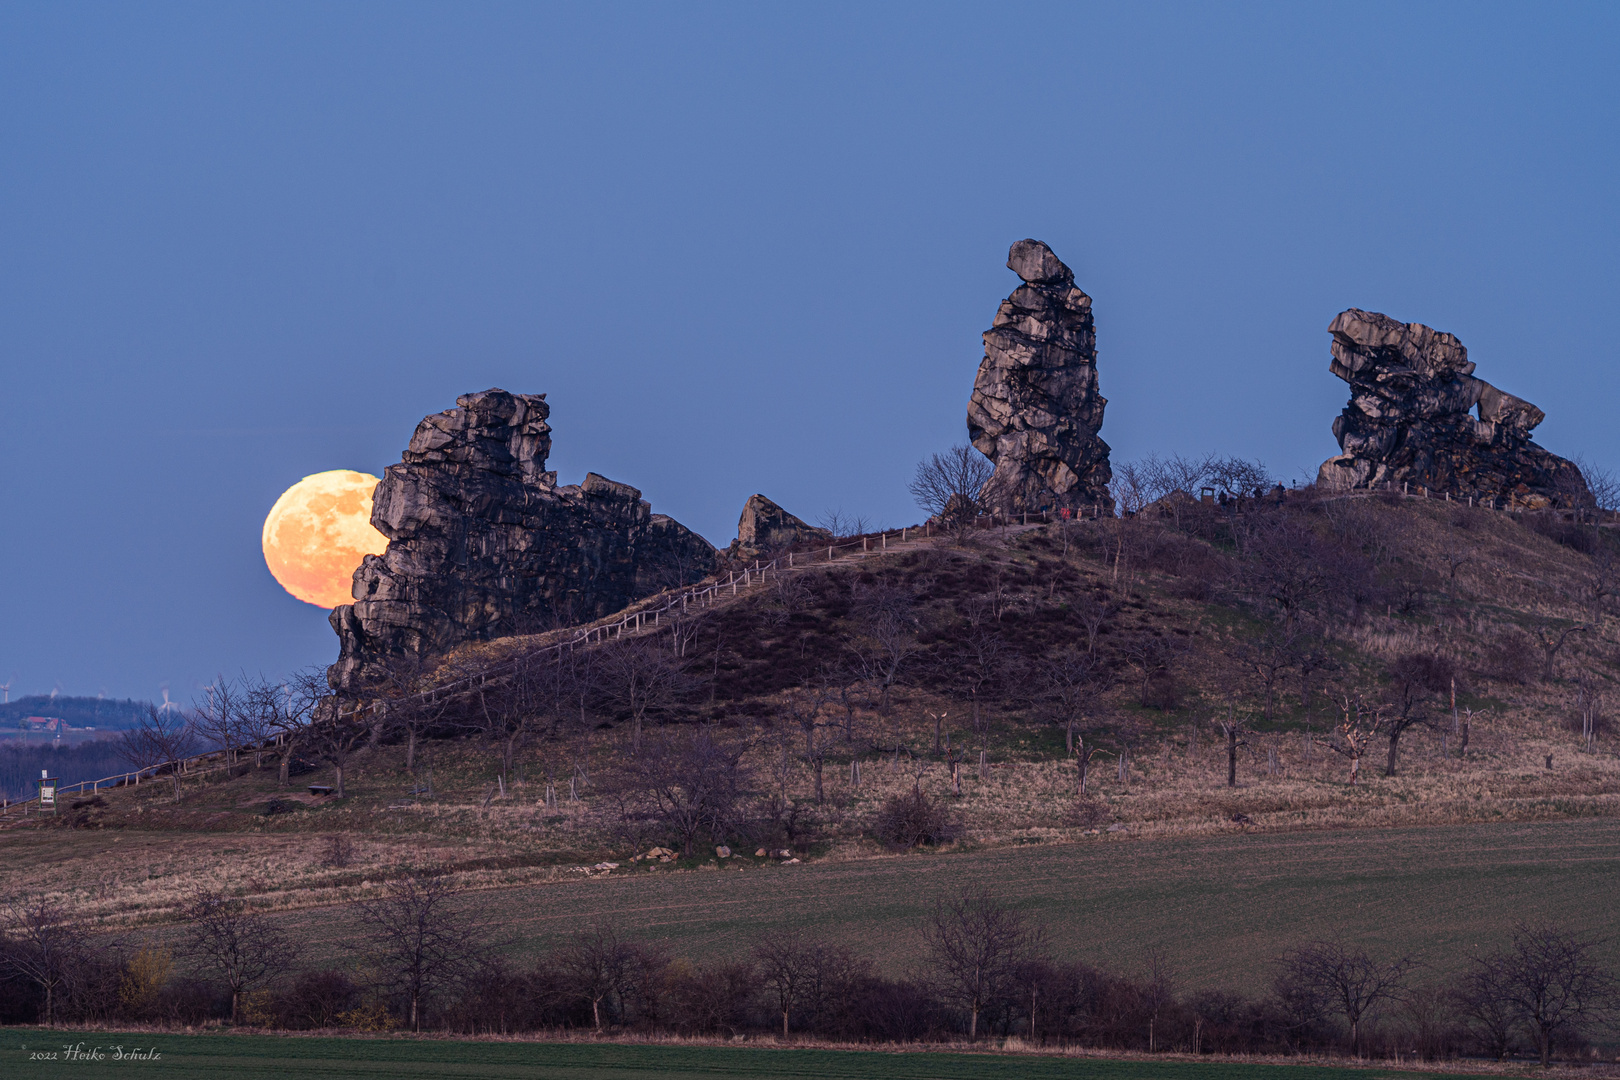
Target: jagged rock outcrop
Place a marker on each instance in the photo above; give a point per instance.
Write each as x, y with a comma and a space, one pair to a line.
1409, 421
482, 543
766, 528
1035, 409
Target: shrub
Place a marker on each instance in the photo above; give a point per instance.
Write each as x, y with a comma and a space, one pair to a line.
912, 819
316, 999
1568, 533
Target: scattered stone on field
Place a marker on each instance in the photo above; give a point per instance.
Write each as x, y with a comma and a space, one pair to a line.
723, 852
483, 543
790, 862
1035, 409
761, 853
606, 866
1409, 422
1117, 826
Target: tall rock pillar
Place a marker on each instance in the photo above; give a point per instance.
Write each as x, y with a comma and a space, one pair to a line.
1035, 409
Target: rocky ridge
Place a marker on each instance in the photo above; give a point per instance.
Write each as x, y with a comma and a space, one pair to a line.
1409, 421
483, 543
1035, 410
765, 528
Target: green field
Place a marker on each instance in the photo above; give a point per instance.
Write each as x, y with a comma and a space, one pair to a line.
246, 1057
1219, 908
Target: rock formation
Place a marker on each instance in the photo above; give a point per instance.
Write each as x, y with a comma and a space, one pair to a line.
484, 544
1035, 409
1408, 421
765, 528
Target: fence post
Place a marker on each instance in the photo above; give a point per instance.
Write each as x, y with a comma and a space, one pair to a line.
790, 560
884, 537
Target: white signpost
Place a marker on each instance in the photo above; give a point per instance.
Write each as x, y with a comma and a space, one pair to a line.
47, 792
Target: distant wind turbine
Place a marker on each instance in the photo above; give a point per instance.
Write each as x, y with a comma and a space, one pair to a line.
5, 690
167, 704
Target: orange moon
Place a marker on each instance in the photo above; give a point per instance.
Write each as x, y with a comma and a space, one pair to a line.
317, 534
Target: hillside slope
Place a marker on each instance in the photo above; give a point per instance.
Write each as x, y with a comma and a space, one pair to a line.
812, 702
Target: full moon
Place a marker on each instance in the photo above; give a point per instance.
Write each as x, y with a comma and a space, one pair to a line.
317, 534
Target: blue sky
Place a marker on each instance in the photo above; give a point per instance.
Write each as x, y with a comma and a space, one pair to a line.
742, 247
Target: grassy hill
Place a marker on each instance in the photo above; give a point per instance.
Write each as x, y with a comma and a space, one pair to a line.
1173, 612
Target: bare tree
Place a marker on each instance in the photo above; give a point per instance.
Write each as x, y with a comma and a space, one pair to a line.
1287, 566
336, 734
1602, 489
139, 751
532, 699
1348, 981
1238, 478
1150, 656
975, 946
1092, 613
1482, 1003
1550, 981
1174, 474
1360, 722
600, 966
803, 708
1551, 639
693, 785
641, 679
1268, 657
887, 637
420, 937
1233, 729
950, 487
46, 947
977, 667
239, 945
162, 736
291, 712
1589, 707
1132, 489
1413, 678
220, 717
841, 525
805, 975
403, 690
257, 727
1070, 683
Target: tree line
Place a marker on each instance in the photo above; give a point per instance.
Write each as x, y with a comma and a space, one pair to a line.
424, 956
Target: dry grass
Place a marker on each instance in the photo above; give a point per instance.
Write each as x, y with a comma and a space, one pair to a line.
131, 862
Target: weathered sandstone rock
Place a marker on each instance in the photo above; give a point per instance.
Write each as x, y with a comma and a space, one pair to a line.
1035, 409
765, 528
1409, 421
484, 544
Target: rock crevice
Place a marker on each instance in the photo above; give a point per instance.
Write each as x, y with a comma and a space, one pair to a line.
483, 543
1035, 409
